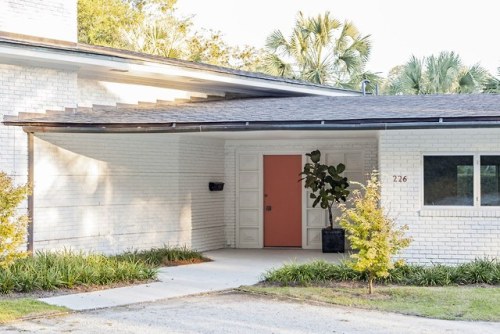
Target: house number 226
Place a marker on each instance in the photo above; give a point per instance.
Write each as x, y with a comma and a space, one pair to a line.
399, 178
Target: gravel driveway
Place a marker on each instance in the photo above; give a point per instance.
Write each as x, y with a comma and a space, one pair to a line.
238, 313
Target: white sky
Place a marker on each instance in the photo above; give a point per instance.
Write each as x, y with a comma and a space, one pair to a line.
399, 28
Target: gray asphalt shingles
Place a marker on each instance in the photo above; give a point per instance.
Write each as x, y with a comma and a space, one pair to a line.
311, 108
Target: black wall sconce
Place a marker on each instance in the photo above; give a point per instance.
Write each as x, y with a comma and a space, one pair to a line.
216, 186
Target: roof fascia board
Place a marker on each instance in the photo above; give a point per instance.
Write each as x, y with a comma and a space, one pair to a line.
172, 128
76, 61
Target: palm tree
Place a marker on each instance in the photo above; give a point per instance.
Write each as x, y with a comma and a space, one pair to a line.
492, 84
320, 49
442, 74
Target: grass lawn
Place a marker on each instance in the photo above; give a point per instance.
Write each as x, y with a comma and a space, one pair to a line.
19, 308
451, 302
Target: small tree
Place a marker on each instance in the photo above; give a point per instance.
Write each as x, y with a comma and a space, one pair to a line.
372, 233
12, 225
326, 183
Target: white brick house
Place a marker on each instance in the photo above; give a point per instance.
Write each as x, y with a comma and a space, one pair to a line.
110, 174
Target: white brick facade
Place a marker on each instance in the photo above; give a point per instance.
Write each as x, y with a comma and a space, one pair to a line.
451, 235
54, 19
110, 193
29, 89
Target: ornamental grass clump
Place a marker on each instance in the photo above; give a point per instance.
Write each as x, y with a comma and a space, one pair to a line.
165, 255
66, 270
479, 271
315, 272
372, 233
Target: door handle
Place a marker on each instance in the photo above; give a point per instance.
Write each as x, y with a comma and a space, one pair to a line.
268, 208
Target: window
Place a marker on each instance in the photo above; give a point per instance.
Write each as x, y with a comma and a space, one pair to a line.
490, 180
450, 180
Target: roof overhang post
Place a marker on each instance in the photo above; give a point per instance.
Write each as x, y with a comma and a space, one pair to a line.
31, 168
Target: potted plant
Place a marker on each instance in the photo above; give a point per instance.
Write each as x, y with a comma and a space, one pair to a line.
328, 187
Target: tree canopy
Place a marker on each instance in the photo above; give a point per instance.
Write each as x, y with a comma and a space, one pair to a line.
101, 22
321, 50
493, 83
154, 27
441, 74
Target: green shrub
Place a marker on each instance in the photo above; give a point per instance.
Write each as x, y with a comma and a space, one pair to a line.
438, 275
67, 269
163, 255
480, 271
314, 272
12, 225
372, 233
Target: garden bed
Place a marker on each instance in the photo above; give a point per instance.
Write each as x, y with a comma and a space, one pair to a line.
69, 272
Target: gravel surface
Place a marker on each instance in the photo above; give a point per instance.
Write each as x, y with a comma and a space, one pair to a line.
239, 313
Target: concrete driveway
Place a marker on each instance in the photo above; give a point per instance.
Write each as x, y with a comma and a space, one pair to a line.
230, 269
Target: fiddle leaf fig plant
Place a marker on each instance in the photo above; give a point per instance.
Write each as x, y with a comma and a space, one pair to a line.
326, 183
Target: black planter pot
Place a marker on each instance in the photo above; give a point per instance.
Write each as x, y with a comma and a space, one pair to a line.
333, 240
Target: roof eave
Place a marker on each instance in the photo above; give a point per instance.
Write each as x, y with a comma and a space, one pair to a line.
107, 62
245, 126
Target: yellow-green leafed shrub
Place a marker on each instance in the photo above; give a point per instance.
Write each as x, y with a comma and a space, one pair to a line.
12, 224
372, 233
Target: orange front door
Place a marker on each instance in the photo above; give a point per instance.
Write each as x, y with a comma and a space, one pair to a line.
282, 201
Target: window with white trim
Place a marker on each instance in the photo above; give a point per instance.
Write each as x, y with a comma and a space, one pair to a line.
449, 180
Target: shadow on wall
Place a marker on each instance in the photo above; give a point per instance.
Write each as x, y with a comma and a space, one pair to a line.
110, 193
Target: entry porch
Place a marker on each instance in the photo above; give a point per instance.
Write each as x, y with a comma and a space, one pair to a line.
111, 192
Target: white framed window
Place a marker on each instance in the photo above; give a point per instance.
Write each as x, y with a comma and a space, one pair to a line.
466, 180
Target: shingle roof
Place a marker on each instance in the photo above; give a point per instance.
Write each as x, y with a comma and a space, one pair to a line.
289, 109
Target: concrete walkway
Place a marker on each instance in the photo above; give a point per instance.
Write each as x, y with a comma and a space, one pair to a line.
230, 269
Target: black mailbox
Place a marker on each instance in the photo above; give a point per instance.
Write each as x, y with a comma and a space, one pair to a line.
216, 186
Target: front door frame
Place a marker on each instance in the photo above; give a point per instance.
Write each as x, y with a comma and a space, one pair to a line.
261, 154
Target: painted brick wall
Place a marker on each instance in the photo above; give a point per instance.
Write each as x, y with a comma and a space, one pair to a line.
92, 91
55, 19
335, 143
440, 236
33, 90
109, 192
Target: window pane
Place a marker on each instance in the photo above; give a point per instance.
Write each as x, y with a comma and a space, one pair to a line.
448, 180
490, 192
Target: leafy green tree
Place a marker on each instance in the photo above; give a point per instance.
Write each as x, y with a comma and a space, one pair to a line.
372, 233
153, 27
321, 50
102, 22
209, 47
12, 225
152, 5
162, 36
441, 74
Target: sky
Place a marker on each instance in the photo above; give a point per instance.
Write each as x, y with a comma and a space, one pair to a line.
398, 28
